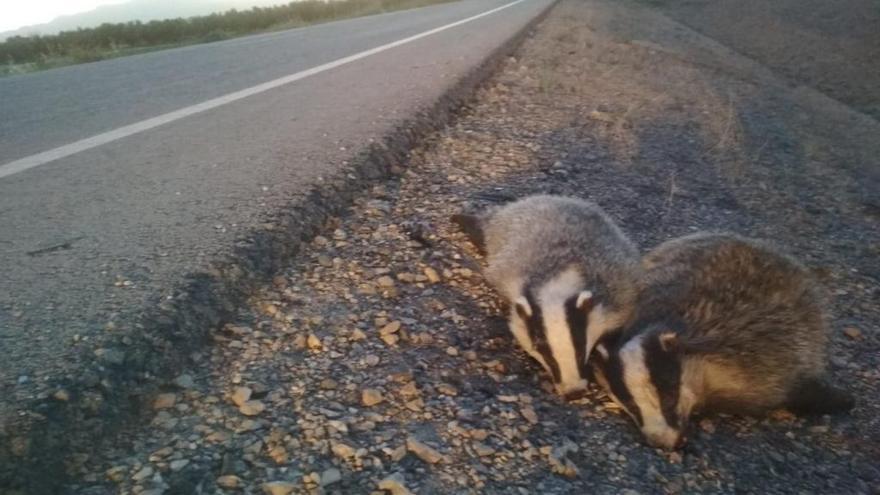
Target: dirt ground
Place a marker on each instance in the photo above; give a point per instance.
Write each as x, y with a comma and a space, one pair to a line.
831, 46
380, 360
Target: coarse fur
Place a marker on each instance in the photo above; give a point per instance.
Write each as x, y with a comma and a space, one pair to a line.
725, 324
567, 271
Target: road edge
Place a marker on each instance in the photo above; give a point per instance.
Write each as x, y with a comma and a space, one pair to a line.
36, 455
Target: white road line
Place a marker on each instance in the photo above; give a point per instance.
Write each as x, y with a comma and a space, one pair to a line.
45, 157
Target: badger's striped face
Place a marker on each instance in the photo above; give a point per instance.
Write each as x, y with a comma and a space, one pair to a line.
644, 376
551, 325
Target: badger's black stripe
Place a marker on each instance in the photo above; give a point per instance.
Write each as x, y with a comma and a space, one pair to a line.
577, 326
538, 335
613, 370
664, 368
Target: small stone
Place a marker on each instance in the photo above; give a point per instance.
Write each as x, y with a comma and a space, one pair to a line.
342, 450
409, 390
371, 360
423, 451
452, 351
314, 342
357, 335
390, 328
329, 384
708, 426
432, 275
241, 395
330, 476
116, 474
325, 260
178, 464
529, 413
385, 282
394, 485
62, 395
143, 474
110, 356
415, 405
398, 453
252, 408
446, 389
853, 333
370, 397
185, 381
164, 401
818, 429
482, 449
278, 488
391, 339
229, 481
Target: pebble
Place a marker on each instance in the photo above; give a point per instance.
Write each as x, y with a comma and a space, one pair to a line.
62, 395
357, 335
395, 485
371, 360
278, 488
229, 481
252, 408
343, 451
331, 476
482, 449
529, 414
314, 343
329, 384
178, 464
452, 351
241, 395
853, 333
385, 282
390, 328
164, 401
370, 397
185, 381
423, 451
432, 275
143, 474
446, 389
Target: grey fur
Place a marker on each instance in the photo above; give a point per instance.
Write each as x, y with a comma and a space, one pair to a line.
750, 330
529, 242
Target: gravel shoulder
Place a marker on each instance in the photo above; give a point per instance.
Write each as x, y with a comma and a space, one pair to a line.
380, 360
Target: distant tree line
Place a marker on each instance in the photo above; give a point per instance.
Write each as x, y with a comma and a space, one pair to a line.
84, 45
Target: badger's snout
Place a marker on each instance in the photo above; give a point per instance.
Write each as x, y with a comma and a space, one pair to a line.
572, 391
667, 439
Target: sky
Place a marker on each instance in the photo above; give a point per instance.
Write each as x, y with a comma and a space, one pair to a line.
17, 13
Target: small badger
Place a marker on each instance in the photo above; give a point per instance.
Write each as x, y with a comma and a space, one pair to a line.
724, 324
567, 271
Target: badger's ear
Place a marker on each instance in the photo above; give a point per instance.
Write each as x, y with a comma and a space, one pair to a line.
668, 341
523, 308
584, 301
472, 226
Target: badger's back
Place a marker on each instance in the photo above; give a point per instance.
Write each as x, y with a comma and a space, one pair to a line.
753, 315
540, 236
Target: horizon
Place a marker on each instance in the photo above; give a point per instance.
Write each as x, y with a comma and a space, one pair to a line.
38, 13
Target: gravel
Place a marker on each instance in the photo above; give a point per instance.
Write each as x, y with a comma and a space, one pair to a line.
379, 362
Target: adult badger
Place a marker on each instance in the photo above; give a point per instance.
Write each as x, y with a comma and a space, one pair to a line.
567, 271
723, 323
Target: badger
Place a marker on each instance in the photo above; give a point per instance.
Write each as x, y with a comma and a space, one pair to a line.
722, 324
568, 273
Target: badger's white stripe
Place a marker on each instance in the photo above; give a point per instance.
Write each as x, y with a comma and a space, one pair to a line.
551, 297
637, 379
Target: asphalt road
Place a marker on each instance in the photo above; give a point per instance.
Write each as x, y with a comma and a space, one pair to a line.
86, 241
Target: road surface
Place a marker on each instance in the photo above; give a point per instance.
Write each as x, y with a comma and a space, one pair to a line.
94, 231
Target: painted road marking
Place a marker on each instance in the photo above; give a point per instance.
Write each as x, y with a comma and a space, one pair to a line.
45, 157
